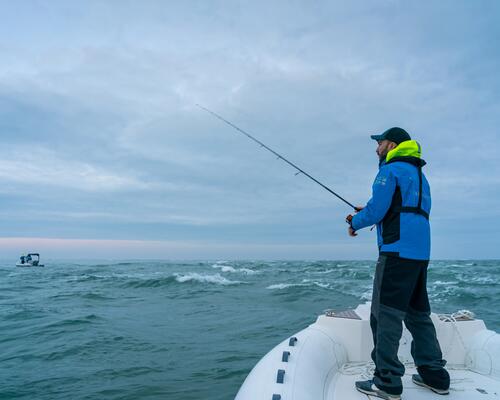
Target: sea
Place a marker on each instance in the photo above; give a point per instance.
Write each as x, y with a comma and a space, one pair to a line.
192, 330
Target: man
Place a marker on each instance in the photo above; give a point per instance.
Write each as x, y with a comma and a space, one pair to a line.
400, 207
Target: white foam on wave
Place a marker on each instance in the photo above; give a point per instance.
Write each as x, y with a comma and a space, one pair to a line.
193, 276
482, 279
442, 283
224, 268
440, 293
305, 282
280, 286
248, 271
230, 269
363, 292
367, 295
316, 283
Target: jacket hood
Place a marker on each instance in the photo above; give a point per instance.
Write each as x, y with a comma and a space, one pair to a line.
409, 151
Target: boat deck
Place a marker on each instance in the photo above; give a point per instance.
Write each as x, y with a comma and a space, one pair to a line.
324, 360
465, 385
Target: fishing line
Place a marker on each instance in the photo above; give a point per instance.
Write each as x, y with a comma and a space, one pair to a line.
301, 171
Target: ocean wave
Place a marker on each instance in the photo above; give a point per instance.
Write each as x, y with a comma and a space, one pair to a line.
148, 282
96, 296
361, 292
281, 286
196, 277
224, 268
88, 296
327, 271
114, 264
127, 372
304, 283
316, 283
249, 271
84, 320
86, 278
23, 315
154, 279
367, 295
482, 280
63, 326
441, 283
460, 297
230, 269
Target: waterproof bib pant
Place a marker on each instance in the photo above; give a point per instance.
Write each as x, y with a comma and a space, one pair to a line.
400, 295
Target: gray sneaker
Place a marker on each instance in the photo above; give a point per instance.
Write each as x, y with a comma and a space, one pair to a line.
417, 380
369, 388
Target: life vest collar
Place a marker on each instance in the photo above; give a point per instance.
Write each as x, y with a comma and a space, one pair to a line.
408, 148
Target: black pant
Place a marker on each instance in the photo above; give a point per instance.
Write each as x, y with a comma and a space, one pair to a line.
400, 294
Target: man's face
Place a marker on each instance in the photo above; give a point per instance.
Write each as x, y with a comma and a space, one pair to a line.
384, 147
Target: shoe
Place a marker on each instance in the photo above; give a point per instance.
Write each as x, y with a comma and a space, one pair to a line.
369, 388
417, 380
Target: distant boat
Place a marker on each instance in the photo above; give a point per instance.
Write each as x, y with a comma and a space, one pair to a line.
31, 260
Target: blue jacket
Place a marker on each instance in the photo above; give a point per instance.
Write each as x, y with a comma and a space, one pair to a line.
400, 205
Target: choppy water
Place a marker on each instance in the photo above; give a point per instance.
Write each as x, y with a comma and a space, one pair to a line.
162, 330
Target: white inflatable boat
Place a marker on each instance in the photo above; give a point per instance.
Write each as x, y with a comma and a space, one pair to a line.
323, 361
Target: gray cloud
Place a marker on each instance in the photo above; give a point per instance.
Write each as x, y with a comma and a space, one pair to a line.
100, 137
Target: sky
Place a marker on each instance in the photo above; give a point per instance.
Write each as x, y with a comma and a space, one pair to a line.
103, 152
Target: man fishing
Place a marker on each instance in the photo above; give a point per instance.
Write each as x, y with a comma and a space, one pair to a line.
400, 207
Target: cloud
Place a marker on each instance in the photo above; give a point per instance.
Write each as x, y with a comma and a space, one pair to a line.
102, 100
41, 167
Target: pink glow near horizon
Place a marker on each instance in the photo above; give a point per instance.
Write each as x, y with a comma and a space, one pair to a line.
55, 248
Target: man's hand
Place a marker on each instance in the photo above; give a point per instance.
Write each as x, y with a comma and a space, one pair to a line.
351, 231
358, 209
348, 219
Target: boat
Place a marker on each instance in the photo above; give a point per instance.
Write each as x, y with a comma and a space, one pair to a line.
30, 260
323, 361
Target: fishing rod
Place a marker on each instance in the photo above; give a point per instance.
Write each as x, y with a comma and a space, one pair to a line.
301, 171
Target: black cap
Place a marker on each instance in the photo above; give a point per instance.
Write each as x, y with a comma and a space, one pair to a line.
396, 135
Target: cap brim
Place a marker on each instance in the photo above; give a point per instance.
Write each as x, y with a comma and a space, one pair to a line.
376, 137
